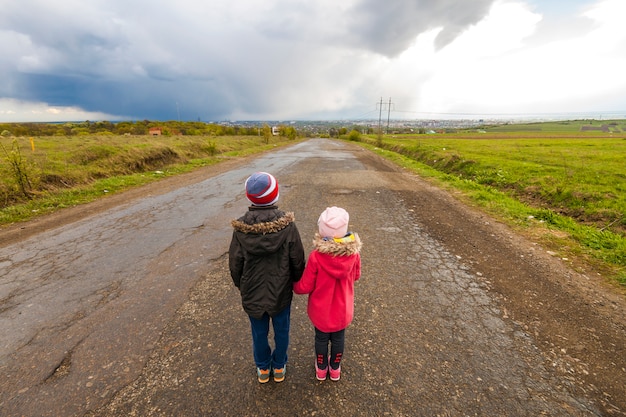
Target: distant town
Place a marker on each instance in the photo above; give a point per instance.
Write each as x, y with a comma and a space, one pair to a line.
321, 127
302, 128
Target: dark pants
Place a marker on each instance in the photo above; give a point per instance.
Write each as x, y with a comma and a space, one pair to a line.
263, 355
337, 341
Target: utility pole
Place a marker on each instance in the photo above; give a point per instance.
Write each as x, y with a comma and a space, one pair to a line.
380, 114
388, 114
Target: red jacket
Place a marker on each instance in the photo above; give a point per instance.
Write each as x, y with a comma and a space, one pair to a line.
329, 277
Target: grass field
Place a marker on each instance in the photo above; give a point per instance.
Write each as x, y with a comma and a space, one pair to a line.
565, 184
579, 177
563, 127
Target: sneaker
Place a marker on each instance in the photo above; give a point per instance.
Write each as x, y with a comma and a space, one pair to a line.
320, 374
263, 375
279, 374
335, 374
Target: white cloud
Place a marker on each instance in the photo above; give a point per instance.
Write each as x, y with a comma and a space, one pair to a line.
492, 68
14, 111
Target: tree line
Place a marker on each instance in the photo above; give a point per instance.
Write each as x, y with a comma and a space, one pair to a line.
168, 128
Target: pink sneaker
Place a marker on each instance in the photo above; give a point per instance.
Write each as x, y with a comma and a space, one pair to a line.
320, 374
335, 374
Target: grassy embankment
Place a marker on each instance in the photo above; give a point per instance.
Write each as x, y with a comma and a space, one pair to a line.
558, 184
49, 173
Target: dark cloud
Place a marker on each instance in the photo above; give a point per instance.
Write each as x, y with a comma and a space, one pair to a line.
149, 99
389, 28
211, 60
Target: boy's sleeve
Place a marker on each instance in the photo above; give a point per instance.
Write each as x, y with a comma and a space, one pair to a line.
296, 257
307, 283
235, 260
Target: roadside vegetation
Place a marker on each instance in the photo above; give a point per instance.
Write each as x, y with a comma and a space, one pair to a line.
41, 174
561, 183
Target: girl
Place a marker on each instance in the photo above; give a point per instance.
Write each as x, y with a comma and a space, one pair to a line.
332, 268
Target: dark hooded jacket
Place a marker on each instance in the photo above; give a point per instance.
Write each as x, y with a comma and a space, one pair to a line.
266, 257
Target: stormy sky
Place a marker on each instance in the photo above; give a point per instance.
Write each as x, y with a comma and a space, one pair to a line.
296, 60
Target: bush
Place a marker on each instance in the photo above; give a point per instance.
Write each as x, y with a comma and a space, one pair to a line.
21, 171
354, 135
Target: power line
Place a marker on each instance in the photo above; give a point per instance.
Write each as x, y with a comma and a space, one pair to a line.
518, 114
364, 115
389, 106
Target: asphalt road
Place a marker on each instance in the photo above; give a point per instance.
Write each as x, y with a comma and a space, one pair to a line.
131, 311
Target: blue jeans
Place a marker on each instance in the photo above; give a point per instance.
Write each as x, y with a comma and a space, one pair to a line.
263, 355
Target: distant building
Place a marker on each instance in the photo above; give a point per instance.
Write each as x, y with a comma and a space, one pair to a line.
155, 131
275, 131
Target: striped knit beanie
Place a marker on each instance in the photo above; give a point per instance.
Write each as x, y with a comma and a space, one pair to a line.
262, 189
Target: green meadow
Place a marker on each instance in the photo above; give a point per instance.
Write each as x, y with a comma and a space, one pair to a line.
558, 182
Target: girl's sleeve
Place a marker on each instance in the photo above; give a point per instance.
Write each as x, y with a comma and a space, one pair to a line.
307, 282
357, 267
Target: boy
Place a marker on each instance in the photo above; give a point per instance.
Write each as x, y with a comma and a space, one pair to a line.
266, 257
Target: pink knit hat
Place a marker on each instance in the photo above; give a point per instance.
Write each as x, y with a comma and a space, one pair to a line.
333, 222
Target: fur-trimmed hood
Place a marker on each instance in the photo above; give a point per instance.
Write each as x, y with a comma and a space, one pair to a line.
264, 227
331, 247
263, 230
